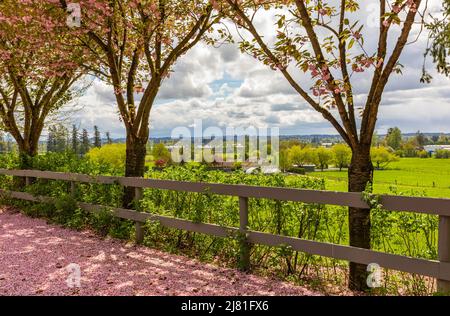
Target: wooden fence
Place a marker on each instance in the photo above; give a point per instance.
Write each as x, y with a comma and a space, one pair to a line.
432, 268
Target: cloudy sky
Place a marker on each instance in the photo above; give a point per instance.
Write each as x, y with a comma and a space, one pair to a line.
225, 88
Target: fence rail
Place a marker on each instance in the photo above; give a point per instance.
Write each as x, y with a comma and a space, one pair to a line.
433, 268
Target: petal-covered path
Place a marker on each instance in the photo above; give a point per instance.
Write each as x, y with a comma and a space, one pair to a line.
38, 259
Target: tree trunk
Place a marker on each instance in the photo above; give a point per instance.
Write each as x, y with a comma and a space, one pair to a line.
360, 172
27, 152
134, 165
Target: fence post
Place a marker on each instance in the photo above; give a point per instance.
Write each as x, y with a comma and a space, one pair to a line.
244, 258
443, 286
139, 230
73, 188
27, 181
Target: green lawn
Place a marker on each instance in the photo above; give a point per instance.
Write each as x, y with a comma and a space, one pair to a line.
431, 176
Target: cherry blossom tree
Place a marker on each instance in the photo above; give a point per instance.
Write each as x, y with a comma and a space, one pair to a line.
136, 43
36, 70
323, 39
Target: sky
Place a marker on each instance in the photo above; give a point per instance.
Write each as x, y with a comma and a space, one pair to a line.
225, 88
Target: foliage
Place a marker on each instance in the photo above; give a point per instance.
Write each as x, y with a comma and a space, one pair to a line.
97, 137
442, 154
297, 170
381, 156
161, 153
323, 157
85, 142
440, 42
301, 156
394, 138
342, 155
37, 74
112, 154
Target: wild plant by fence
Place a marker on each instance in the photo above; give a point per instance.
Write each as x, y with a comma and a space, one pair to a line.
437, 269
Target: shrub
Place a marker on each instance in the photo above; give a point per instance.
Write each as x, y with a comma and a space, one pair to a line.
422, 154
160, 163
112, 154
160, 152
442, 154
297, 170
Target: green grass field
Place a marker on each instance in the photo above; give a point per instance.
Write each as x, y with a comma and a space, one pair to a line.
430, 176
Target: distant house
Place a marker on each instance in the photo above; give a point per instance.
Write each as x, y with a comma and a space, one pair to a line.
431, 149
326, 145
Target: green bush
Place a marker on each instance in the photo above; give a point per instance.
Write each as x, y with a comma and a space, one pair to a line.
442, 154
111, 154
297, 170
422, 154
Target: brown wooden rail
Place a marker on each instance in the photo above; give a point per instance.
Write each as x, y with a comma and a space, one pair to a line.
436, 269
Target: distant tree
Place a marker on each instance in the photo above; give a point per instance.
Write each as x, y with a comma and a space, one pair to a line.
75, 139
160, 152
97, 137
57, 138
443, 139
85, 142
382, 157
435, 138
108, 138
50, 142
301, 156
286, 144
323, 157
420, 138
410, 148
342, 155
284, 159
442, 154
394, 138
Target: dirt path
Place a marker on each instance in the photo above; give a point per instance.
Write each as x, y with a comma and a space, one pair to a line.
34, 260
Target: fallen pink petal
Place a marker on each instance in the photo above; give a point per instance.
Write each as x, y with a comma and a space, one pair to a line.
34, 256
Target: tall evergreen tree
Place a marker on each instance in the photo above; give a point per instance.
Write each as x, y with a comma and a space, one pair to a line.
75, 139
97, 137
85, 142
108, 138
